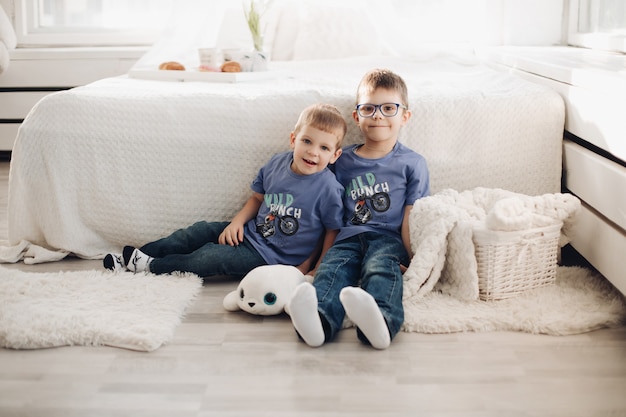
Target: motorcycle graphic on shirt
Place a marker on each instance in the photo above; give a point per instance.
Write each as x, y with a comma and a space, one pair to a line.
288, 225
362, 214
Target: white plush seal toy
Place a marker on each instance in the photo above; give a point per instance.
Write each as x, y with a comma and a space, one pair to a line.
265, 290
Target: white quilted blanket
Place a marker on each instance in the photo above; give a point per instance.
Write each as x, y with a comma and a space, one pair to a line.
442, 226
125, 161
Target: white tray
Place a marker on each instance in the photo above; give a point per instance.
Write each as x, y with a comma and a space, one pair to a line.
205, 76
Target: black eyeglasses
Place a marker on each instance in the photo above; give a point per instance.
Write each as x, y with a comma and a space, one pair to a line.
386, 109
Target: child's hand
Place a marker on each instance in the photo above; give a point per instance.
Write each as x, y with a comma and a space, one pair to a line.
307, 271
232, 235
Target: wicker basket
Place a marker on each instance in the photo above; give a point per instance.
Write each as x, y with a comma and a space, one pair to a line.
510, 263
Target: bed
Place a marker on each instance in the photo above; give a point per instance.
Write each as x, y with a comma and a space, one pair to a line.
126, 160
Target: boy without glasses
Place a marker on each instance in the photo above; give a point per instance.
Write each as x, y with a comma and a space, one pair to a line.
283, 222
361, 274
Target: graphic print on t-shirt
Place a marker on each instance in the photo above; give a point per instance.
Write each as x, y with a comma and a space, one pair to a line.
367, 194
280, 213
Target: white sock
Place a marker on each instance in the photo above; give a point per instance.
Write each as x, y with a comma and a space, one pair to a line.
139, 262
362, 309
304, 315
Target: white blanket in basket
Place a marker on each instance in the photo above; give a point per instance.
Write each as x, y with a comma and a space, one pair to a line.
442, 225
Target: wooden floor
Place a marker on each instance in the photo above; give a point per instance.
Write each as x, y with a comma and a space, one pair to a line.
235, 364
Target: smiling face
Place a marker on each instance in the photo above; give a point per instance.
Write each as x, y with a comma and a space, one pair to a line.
313, 150
380, 130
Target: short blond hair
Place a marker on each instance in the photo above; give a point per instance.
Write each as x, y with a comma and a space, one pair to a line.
385, 79
324, 117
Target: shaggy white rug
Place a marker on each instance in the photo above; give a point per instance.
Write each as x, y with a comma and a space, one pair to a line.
141, 312
578, 302
138, 312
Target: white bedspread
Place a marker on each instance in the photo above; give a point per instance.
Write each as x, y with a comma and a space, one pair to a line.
125, 161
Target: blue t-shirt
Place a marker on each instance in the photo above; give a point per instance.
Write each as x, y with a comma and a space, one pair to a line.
296, 211
378, 190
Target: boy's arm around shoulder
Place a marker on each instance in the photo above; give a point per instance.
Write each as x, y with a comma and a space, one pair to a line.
420, 186
405, 231
233, 233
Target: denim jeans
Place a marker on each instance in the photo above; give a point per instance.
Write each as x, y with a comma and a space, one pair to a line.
195, 249
371, 260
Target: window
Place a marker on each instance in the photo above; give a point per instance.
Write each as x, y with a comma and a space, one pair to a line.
598, 24
89, 22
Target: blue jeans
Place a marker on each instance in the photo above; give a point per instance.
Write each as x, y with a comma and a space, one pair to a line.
195, 249
371, 260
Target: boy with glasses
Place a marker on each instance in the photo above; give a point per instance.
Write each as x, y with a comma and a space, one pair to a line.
361, 274
295, 201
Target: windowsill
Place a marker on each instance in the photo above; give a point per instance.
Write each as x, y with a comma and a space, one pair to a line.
67, 66
590, 69
99, 52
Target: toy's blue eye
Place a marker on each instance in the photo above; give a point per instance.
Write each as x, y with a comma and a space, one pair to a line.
270, 298
241, 294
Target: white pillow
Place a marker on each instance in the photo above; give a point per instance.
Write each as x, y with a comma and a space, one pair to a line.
285, 30
335, 30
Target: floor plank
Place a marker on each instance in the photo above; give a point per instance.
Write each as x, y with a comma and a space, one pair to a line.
234, 364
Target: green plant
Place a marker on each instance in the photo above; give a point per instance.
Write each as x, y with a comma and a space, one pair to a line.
254, 14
